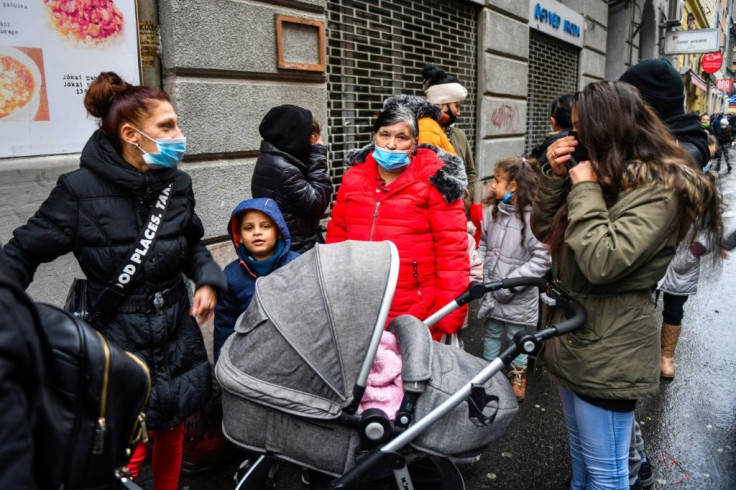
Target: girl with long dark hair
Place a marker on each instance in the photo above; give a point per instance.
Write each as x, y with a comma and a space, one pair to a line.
613, 222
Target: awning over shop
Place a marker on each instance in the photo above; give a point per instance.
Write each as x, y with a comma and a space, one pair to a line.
697, 81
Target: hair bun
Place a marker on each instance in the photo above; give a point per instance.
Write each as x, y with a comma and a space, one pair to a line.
102, 93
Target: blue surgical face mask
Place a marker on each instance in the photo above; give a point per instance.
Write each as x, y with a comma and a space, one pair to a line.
508, 197
391, 160
170, 152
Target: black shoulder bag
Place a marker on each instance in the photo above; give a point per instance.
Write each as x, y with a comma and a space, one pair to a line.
116, 290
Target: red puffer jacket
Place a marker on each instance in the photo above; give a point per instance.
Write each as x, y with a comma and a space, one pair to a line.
430, 234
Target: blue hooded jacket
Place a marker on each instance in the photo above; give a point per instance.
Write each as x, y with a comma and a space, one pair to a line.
242, 272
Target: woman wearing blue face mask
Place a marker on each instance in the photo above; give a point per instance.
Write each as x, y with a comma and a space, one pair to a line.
128, 216
413, 197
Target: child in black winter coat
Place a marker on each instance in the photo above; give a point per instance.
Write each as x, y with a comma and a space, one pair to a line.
292, 170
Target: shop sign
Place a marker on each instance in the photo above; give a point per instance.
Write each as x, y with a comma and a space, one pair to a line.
724, 84
694, 41
711, 62
557, 20
49, 55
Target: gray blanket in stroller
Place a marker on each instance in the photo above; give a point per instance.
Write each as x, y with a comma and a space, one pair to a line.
290, 370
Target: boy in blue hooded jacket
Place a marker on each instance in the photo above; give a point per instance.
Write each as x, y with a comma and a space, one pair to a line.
261, 239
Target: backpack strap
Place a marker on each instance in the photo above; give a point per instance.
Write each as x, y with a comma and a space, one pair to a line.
116, 290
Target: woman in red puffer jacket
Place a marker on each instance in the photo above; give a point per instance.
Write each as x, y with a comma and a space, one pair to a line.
412, 197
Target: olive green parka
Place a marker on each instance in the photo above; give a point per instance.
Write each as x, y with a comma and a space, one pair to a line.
610, 260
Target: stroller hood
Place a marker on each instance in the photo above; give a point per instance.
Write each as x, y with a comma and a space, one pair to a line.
302, 343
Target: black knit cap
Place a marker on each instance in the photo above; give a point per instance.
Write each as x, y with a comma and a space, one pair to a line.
434, 75
660, 84
288, 128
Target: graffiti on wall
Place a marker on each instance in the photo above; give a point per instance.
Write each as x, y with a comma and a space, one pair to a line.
506, 118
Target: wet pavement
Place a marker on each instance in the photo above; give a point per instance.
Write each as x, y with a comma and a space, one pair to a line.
689, 428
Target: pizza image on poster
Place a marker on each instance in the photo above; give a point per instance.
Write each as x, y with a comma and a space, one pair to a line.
86, 21
50, 53
22, 85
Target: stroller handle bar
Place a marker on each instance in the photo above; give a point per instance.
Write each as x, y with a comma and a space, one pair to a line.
477, 290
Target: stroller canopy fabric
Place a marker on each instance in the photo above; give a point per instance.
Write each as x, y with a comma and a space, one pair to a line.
300, 345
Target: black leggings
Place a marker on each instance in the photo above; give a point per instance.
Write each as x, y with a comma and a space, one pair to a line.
723, 151
672, 311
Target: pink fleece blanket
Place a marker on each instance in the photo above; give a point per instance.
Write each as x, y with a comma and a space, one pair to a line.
384, 389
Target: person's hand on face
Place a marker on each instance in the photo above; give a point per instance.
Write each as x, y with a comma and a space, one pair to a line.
583, 172
558, 154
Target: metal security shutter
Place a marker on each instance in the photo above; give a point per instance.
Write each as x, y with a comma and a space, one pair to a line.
377, 48
553, 70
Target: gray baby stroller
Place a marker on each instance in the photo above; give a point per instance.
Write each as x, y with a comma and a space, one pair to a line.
295, 371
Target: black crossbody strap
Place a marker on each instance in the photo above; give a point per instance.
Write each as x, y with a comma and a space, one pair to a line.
111, 297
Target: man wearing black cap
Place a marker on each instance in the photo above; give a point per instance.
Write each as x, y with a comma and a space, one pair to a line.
661, 86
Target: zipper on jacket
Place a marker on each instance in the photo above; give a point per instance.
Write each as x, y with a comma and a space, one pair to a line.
415, 266
149, 193
99, 445
373, 224
142, 434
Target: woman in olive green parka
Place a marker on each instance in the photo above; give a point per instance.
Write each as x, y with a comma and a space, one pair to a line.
613, 223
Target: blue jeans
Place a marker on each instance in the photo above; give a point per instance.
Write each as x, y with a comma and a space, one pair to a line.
492, 340
599, 444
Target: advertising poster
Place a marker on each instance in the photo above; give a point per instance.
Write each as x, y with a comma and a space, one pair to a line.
50, 52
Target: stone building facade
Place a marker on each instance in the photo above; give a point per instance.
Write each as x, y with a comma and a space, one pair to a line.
219, 61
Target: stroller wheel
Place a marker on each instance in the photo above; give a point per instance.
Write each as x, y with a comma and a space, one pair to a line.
435, 472
259, 474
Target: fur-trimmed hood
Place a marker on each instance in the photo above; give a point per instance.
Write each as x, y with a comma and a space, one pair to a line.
450, 179
418, 105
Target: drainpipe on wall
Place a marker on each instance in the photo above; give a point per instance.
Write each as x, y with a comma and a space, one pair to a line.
633, 33
149, 43
727, 55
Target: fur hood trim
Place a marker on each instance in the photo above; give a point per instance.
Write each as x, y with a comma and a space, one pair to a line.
450, 179
418, 105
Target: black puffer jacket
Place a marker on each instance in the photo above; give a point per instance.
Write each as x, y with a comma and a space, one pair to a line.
691, 136
97, 212
540, 151
301, 189
21, 379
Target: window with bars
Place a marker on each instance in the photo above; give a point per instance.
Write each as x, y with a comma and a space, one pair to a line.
546, 51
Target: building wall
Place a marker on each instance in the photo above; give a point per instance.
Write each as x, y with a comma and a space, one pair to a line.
635, 33
503, 67
594, 53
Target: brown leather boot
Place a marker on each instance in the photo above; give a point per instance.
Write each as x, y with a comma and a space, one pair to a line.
517, 376
670, 335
